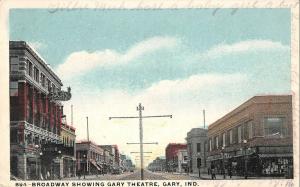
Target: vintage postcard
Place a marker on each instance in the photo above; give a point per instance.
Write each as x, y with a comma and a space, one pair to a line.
149, 93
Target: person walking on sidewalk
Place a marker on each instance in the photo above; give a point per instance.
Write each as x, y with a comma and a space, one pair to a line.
230, 172
213, 172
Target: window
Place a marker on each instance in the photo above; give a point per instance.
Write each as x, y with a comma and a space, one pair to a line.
250, 129
273, 127
29, 68
13, 88
14, 64
216, 142
235, 135
245, 131
230, 137
239, 134
52, 88
36, 74
49, 85
224, 139
43, 80
210, 145
198, 147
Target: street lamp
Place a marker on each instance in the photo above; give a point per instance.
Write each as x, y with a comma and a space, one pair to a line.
84, 158
199, 164
245, 156
59, 162
223, 162
36, 160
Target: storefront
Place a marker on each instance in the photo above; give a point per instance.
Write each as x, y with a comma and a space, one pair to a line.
259, 161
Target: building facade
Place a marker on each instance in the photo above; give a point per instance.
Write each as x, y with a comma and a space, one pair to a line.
35, 113
255, 139
89, 158
113, 156
68, 138
171, 155
197, 150
158, 165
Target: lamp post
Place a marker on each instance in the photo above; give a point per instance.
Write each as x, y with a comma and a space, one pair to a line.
223, 162
84, 158
245, 157
199, 164
59, 157
38, 168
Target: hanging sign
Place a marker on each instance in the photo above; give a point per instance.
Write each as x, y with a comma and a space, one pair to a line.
61, 95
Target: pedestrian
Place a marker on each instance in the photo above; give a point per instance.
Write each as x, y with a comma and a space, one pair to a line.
213, 172
48, 175
230, 172
79, 174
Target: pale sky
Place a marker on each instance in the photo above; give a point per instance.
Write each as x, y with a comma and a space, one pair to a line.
175, 62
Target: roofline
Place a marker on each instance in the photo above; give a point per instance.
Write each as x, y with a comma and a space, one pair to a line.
38, 57
243, 106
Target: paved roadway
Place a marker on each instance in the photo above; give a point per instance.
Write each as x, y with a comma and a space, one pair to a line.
148, 175
136, 175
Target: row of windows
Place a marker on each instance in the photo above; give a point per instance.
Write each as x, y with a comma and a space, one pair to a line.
92, 155
33, 72
39, 77
273, 127
68, 142
232, 136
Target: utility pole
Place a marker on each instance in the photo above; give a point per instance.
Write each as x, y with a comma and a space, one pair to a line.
140, 108
203, 118
72, 115
87, 128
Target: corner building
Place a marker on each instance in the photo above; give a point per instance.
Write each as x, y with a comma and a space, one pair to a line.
255, 139
196, 148
35, 115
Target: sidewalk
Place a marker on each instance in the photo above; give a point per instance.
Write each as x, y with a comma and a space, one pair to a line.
218, 177
221, 177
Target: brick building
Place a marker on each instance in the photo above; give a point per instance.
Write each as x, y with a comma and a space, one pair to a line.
89, 158
35, 114
255, 139
171, 155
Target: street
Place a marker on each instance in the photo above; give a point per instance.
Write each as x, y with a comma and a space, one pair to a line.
148, 175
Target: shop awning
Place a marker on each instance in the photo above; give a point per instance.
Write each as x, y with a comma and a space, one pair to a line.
275, 155
95, 164
99, 165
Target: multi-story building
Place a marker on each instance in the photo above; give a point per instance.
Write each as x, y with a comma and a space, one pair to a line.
171, 154
108, 159
114, 155
89, 158
196, 148
35, 114
67, 137
159, 164
256, 138
125, 163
